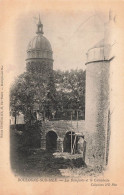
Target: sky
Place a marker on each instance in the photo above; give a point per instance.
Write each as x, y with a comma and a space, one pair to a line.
70, 35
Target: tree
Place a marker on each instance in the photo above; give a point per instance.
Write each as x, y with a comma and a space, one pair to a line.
71, 90
59, 92
28, 90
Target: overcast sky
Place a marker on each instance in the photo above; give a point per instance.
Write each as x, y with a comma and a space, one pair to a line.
70, 35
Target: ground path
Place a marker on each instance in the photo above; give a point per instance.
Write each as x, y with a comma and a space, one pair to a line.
41, 163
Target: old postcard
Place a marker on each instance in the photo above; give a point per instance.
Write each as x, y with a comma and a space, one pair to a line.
61, 97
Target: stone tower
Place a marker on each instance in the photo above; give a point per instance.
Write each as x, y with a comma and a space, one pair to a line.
39, 64
39, 53
99, 58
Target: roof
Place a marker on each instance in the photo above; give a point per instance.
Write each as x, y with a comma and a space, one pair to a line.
39, 42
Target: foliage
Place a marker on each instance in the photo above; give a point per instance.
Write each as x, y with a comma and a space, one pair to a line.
58, 93
30, 92
70, 88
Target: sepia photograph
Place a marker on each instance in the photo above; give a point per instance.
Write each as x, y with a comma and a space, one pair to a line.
60, 95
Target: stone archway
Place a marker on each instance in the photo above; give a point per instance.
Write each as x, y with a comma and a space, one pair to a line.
51, 141
67, 141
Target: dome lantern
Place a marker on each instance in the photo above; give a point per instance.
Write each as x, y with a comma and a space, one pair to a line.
39, 27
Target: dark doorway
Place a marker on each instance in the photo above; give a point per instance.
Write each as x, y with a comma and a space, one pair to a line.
67, 141
51, 141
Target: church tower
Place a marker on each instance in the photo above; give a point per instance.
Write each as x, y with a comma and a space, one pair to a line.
39, 53
39, 64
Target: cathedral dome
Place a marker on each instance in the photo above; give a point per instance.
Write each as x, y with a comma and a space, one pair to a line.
39, 42
39, 46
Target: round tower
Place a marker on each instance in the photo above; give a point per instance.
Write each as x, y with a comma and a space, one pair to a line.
97, 117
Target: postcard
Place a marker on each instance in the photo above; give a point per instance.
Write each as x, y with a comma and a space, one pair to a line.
61, 97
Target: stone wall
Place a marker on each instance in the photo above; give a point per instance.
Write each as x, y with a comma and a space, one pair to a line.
61, 127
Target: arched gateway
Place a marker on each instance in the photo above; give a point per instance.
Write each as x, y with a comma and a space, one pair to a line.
67, 141
51, 141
